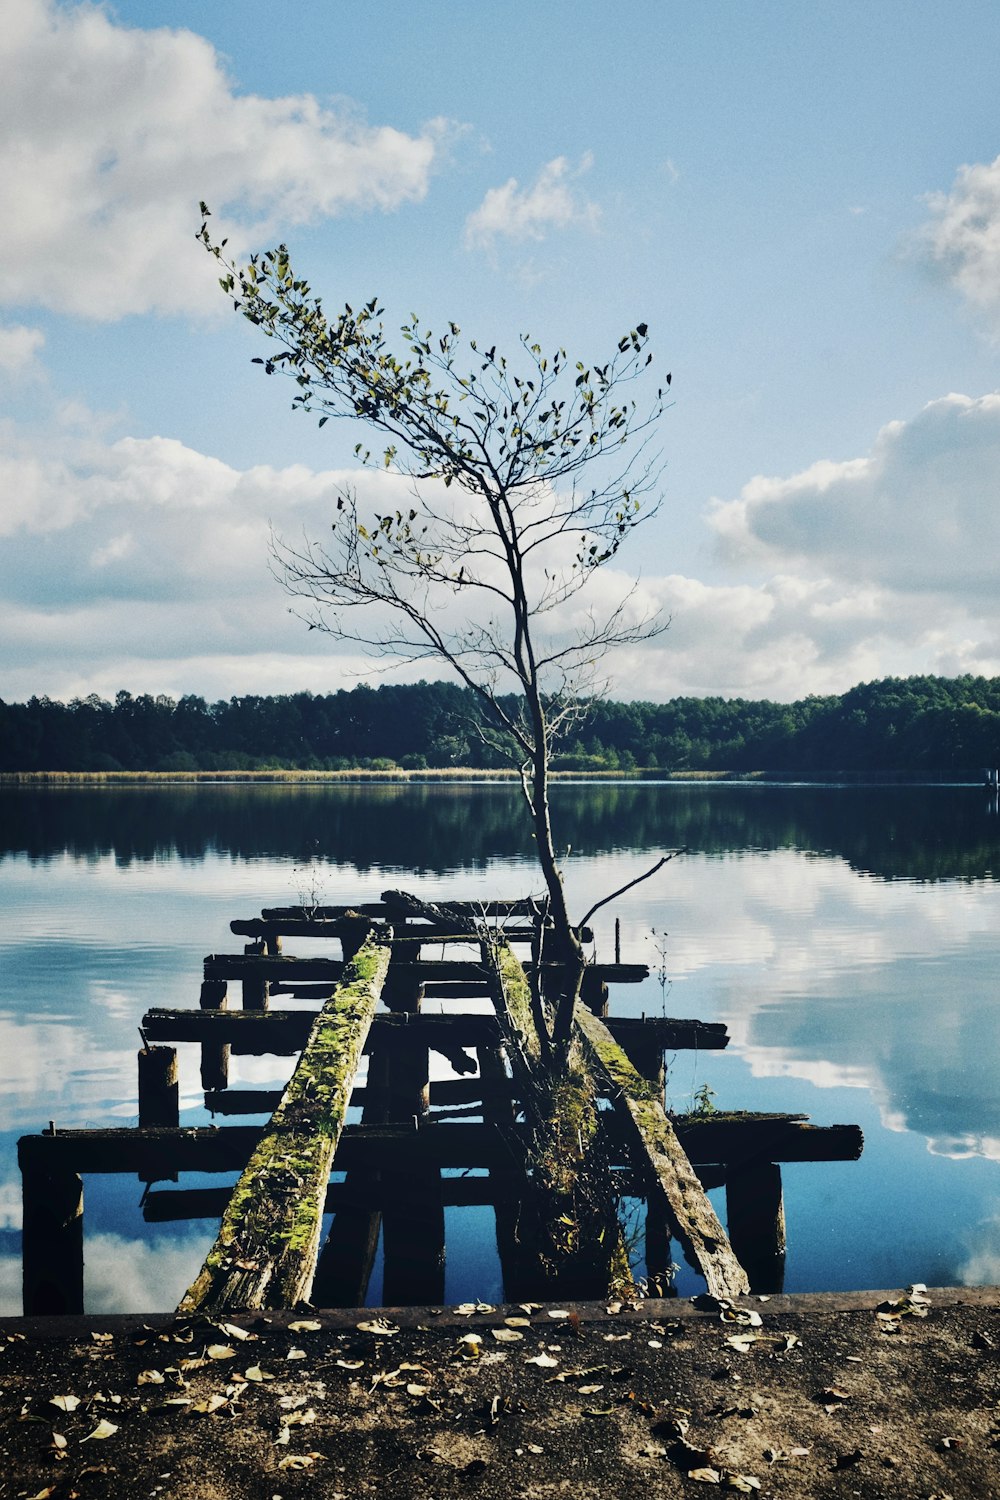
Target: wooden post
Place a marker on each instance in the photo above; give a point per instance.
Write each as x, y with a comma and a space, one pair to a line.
594, 992
755, 1212
412, 1212
508, 1180
52, 1237
214, 1055
659, 1276
644, 1050
159, 1102
256, 992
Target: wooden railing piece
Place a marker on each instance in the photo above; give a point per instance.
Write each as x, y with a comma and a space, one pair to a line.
265, 1253
660, 1154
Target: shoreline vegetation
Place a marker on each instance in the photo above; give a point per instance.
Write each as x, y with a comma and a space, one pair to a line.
908, 730
457, 775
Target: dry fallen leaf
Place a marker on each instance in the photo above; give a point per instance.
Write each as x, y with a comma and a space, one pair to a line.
545, 1360
296, 1354
149, 1377
233, 1331
558, 1312
104, 1429
215, 1402
256, 1373
518, 1322
506, 1335
298, 1460
221, 1351
65, 1403
305, 1325
379, 1326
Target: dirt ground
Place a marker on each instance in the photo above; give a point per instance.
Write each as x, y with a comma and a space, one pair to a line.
788, 1396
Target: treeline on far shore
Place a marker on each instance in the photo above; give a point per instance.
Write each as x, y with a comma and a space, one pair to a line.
901, 726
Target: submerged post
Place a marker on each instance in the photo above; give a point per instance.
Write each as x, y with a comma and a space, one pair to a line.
755, 1213
265, 1253
52, 1233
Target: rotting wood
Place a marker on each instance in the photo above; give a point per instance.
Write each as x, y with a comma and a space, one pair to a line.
693, 1220
214, 996
284, 967
159, 1098
443, 1091
209, 1149
265, 1253
570, 1239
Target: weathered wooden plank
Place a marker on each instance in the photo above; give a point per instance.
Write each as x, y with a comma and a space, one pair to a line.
453, 1144
282, 1032
265, 1253
283, 967
311, 927
693, 1220
743, 1139
443, 1091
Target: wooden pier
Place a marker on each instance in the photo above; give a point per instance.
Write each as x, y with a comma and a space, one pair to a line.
496, 1117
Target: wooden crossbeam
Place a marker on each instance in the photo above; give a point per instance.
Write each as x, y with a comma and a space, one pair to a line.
266, 1249
283, 967
211, 1149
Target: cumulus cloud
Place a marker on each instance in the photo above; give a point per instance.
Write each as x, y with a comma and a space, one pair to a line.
962, 239
18, 348
515, 213
918, 514
110, 135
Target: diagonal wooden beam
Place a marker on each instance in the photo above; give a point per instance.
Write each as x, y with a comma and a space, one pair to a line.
660, 1157
265, 1253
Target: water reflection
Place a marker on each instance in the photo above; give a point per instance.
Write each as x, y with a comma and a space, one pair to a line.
850, 940
896, 833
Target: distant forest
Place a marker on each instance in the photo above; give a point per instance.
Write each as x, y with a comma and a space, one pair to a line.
899, 725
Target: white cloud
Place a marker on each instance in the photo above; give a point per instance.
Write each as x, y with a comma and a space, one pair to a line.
110, 135
962, 239
515, 213
919, 514
18, 347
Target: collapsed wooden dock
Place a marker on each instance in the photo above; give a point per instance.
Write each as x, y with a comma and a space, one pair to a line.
493, 1121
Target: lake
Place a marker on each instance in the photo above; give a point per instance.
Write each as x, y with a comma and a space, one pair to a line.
848, 937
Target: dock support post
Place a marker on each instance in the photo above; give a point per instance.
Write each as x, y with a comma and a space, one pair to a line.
214, 1056
755, 1212
159, 1101
659, 1267
52, 1239
256, 992
594, 993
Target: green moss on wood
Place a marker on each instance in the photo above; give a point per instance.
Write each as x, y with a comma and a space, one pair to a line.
266, 1247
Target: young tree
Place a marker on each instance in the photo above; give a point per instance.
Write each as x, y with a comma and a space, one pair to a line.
527, 477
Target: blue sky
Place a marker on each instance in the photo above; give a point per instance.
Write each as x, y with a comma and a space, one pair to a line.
802, 201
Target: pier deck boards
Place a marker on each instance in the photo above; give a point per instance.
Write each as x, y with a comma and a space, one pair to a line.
488, 1119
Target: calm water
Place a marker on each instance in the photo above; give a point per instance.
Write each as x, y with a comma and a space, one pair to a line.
849, 939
